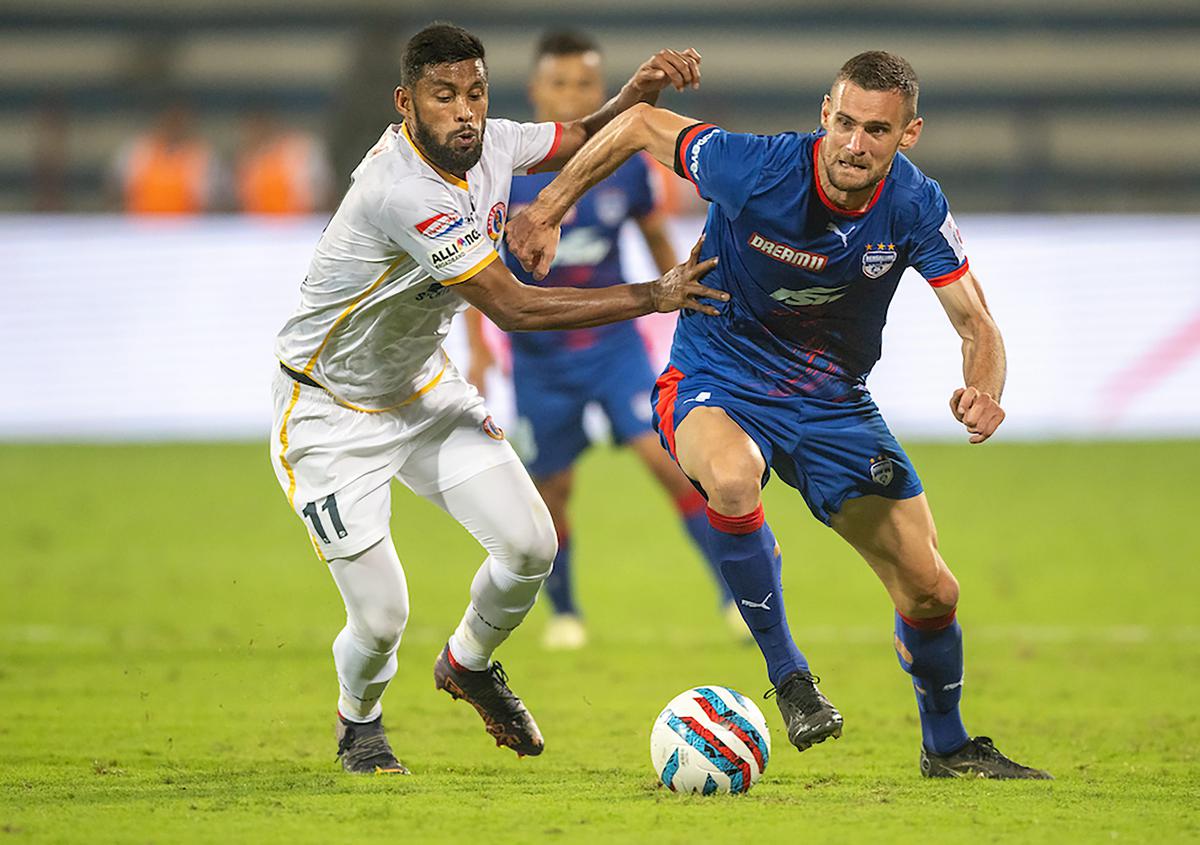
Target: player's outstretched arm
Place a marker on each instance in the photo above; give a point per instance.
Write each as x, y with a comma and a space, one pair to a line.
977, 405
679, 69
533, 234
516, 307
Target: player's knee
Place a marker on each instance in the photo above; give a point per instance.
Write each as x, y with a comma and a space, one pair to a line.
530, 550
733, 488
379, 629
935, 596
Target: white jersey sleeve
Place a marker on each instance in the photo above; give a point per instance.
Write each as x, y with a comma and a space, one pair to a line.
529, 144
421, 216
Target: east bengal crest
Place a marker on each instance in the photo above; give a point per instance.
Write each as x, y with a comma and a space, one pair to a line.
492, 430
878, 259
495, 221
882, 470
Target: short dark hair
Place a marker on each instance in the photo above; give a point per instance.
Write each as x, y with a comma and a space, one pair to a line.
564, 42
877, 70
439, 43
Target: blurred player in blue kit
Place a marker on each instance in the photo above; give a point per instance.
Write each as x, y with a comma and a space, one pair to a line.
556, 375
813, 232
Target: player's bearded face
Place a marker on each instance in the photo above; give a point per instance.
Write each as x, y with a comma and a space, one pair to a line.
864, 129
456, 148
448, 114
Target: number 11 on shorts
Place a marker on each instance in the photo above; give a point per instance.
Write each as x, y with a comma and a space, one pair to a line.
330, 507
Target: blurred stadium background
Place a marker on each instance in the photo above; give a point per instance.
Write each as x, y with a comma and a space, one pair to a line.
1063, 134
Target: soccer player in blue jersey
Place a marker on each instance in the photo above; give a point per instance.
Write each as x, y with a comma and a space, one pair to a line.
812, 232
556, 375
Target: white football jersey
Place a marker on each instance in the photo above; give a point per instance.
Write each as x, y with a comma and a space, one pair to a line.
376, 305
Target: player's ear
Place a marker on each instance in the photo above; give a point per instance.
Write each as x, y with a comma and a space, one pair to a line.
403, 99
912, 133
825, 102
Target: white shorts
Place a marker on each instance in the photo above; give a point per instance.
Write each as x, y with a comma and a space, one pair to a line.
335, 464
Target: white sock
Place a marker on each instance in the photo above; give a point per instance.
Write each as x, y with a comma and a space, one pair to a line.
500, 599
363, 676
375, 592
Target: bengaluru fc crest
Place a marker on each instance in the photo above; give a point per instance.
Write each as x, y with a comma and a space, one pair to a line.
878, 259
882, 470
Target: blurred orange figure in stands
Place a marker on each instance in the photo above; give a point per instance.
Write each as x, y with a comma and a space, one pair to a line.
168, 170
281, 171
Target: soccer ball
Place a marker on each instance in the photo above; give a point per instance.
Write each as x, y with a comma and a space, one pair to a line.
710, 739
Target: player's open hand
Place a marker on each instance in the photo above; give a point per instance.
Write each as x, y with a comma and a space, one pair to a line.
978, 411
678, 69
680, 286
533, 240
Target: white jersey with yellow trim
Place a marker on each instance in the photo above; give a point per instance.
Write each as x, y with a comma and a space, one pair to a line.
375, 305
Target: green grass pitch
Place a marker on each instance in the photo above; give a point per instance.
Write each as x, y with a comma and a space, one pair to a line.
165, 673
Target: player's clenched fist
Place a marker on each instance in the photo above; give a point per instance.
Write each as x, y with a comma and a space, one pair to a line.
978, 411
668, 67
533, 240
680, 286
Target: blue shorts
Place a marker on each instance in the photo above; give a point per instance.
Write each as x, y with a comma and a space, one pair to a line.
551, 395
829, 451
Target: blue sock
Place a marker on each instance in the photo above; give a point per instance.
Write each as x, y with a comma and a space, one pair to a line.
558, 584
751, 565
931, 651
691, 512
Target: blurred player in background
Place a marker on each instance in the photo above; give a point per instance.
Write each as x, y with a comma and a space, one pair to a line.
280, 171
556, 375
366, 394
169, 169
813, 232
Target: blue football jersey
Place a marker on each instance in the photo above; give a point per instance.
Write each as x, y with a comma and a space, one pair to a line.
589, 252
810, 283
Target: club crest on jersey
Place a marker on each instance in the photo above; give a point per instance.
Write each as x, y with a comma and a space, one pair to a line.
878, 259
811, 261
492, 430
882, 470
495, 221
439, 224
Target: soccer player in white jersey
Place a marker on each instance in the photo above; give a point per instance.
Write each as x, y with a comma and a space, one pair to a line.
365, 393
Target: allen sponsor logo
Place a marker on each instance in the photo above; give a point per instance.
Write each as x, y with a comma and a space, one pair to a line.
811, 261
450, 253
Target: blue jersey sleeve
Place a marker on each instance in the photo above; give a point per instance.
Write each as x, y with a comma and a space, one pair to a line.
937, 251
724, 166
640, 186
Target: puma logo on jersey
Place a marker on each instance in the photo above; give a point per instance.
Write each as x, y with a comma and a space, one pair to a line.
832, 227
808, 296
761, 605
811, 261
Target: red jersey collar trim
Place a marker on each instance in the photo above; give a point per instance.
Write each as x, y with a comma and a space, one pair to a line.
828, 203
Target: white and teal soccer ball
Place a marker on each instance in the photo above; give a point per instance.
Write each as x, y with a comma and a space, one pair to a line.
710, 739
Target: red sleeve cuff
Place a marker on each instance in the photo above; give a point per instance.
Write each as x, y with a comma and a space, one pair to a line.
952, 276
558, 133
683, 144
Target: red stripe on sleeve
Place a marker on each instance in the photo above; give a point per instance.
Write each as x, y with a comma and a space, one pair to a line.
558, 133
683, 151
952, 276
